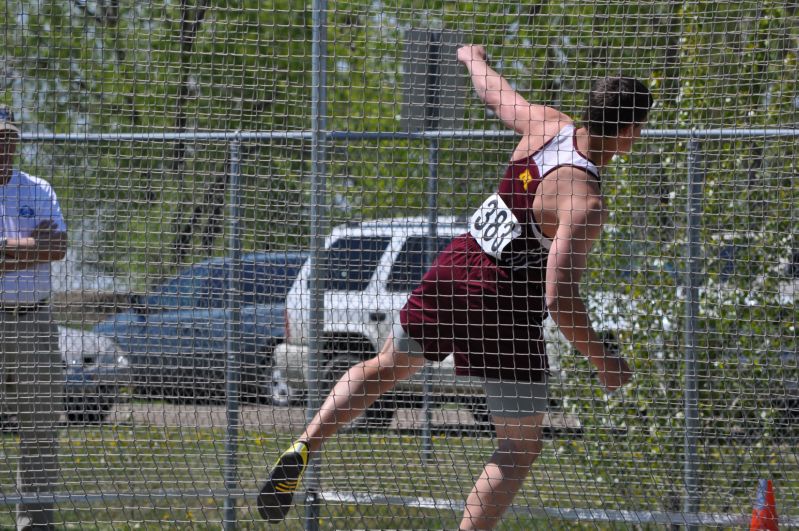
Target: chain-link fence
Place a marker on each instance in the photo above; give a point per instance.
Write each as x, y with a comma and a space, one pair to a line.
252, 191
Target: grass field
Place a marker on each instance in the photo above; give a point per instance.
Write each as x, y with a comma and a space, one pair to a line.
140, 460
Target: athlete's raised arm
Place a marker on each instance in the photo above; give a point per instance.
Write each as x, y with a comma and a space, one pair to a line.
514, 111
580, 215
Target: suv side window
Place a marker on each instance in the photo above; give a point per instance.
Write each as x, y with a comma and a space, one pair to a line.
349, 263
410, 263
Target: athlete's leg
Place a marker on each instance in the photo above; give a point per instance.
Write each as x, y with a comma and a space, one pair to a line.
359, 388
517, 411
518, 446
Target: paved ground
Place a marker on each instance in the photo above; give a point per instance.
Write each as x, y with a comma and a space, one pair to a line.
293, 418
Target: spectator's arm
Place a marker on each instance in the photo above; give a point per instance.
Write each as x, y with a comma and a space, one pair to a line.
45, 244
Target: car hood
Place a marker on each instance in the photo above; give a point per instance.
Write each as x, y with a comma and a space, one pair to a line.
120, 321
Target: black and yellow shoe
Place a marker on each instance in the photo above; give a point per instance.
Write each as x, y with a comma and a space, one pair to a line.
275, 498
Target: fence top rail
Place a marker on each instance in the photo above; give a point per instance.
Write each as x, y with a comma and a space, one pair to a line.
229, 136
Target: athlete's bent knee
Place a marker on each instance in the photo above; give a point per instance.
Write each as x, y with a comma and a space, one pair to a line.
391, 364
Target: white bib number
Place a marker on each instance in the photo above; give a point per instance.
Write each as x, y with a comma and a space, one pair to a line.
494, 226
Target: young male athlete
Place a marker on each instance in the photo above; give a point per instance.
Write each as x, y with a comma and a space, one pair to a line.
487, 294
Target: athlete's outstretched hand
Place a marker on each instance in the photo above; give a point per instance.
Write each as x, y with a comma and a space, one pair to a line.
613, 372
471, 52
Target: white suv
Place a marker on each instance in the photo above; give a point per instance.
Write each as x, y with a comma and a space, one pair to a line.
367, 271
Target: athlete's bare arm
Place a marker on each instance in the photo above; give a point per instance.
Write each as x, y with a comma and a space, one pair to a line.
580, 215
536, 122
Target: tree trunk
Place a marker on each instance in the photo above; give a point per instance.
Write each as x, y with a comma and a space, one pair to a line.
190, 21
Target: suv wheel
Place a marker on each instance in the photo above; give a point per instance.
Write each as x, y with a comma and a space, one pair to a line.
482, 418
379, 415
267, 385
281, 392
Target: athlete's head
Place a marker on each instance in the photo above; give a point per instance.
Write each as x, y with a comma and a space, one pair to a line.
614, 104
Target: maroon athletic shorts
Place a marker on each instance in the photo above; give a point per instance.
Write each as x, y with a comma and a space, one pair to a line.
489, 316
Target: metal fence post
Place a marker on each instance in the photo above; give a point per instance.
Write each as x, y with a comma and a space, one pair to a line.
432, 123
233, 339
318, 232
692, 281
430, 252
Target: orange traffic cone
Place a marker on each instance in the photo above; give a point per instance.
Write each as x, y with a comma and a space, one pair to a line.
764, 515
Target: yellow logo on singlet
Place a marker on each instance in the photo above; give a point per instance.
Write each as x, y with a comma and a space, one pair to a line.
526, 177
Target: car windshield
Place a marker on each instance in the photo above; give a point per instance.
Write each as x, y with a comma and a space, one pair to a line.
188, 290
349, 263
411, 264
265, 279
261, 282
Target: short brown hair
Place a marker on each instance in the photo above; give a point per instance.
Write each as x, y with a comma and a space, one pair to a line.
614, 103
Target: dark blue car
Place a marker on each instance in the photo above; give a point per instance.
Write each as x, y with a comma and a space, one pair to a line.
176, 335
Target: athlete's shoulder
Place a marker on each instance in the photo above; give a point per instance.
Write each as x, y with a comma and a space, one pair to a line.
549, 123
541, 133
573, 173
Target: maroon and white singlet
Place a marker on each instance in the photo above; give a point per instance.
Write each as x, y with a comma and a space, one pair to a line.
483, 298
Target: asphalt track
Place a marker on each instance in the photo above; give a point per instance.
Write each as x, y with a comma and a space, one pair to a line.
292, 419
